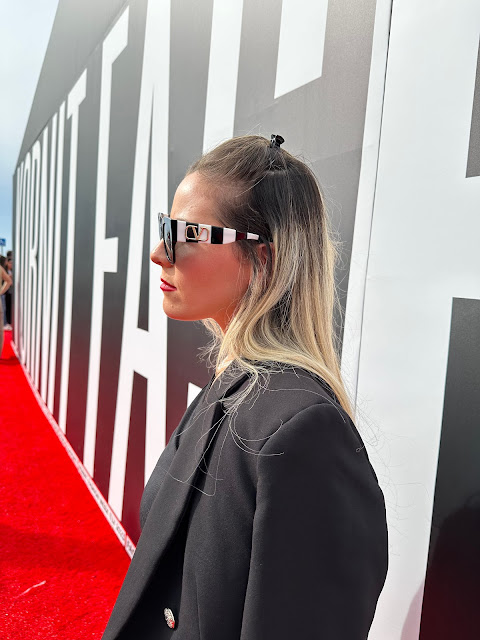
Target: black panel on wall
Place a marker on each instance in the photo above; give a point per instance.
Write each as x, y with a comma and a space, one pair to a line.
63, 257
473, 162
126, 79
135, 467
452, 587
88, 128
189, 59
148, 243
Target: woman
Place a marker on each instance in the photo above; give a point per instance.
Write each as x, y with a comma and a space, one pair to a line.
5, 283
263, 518
7, 298
3, 265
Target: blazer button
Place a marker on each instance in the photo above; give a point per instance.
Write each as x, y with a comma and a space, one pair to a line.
169, 618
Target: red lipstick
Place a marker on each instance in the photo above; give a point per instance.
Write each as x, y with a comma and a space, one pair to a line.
164, 286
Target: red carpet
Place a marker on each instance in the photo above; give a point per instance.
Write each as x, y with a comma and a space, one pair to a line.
61, 564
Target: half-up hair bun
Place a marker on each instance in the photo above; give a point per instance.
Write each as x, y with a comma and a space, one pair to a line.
276, 140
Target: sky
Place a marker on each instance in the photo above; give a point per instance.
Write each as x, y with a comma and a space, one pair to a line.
25, 28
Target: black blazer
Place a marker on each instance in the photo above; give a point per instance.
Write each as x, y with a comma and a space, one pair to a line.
267, 526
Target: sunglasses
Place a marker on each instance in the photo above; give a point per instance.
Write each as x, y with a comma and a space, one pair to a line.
173, 231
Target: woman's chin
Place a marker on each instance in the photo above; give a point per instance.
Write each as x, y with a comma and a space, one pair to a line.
176, 314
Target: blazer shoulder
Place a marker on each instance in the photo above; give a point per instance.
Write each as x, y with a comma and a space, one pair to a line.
286, 390
277, 396
291, 401
326, 430
322, 424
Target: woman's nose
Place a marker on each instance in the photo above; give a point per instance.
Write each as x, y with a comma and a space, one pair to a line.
159, 256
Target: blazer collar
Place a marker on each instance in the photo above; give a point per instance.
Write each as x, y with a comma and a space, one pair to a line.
172, 499
226, 384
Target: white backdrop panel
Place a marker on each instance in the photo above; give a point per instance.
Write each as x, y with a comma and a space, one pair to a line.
423, 253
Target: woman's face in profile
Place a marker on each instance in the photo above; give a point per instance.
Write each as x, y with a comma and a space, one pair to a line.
209, 279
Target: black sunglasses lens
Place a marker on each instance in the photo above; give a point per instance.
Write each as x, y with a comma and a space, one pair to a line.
167, 238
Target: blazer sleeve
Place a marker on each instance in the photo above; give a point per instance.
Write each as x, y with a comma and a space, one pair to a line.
319, 546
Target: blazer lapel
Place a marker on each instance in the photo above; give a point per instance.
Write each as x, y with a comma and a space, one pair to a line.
172, 498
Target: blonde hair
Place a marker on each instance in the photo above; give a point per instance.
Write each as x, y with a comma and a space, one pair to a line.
287, 313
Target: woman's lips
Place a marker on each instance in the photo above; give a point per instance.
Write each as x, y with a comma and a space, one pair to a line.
164, 286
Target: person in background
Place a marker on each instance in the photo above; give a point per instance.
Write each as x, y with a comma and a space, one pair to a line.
3, 264
7, 297
6, 282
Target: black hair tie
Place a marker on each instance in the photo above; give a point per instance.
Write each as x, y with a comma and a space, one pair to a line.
276, 140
